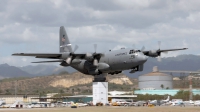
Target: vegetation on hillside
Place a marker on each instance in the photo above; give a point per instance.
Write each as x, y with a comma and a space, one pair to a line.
180, 95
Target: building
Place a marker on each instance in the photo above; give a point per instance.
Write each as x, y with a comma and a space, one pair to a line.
171, 92
89, 98
114, 93
9, 99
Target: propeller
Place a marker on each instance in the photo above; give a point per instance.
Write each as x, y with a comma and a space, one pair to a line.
159, 56
159, 43
133, 45
158, 51
143, 48
95, 61
95, 47
69, 59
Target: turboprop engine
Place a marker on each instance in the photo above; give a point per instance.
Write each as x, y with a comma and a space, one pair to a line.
154, 53
87, 67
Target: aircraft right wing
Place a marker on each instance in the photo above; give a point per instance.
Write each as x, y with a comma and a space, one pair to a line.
179, 71
155, 53
40, 55
49, 55
48, 61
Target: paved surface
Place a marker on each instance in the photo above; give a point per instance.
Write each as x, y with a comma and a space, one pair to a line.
109, 109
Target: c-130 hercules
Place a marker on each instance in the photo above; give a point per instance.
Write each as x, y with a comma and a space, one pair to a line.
112, 62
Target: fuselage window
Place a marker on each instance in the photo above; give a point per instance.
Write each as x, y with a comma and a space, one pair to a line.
132, 56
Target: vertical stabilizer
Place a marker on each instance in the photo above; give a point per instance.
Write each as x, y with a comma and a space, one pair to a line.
65, 45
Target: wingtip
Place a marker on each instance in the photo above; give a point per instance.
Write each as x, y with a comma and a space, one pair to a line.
17, 54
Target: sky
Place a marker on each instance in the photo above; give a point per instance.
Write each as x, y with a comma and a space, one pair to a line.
32, 26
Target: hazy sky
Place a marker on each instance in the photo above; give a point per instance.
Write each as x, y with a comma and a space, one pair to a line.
33, 26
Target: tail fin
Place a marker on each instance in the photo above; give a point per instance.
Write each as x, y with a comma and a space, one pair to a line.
168, 98
65, 45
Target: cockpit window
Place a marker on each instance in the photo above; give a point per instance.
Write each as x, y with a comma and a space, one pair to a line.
131, 52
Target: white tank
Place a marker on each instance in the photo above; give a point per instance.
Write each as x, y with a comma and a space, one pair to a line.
155, 80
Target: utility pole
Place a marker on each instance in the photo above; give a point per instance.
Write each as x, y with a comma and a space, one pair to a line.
16, 90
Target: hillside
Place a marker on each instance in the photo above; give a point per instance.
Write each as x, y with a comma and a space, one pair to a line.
55, 83
75, 83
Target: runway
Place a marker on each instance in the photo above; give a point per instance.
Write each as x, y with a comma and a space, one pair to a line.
108, 109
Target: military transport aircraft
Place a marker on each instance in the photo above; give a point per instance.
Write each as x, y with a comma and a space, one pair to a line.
112, 62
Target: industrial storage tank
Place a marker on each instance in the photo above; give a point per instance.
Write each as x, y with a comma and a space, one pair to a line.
155, 81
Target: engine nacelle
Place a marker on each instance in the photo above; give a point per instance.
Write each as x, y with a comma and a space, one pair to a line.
153, 53
89, 57
86, 67
103, 66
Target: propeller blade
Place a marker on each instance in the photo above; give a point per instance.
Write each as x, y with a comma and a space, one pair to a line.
159, 58
143, 48
95, 47
165, 52
159, 43
75, 48
68, 60
133, 45
95, 62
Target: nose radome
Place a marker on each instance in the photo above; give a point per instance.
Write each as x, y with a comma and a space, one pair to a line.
143, 58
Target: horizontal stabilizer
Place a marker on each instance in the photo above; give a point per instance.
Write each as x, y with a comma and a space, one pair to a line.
48, 61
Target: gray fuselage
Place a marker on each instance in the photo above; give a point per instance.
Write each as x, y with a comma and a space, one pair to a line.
118, 60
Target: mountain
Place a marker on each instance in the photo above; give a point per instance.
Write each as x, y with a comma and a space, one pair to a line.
181, 62
42, 70
7, 71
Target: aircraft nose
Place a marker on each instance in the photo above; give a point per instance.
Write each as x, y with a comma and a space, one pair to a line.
143, 58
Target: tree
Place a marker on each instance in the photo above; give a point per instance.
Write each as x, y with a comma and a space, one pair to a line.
61, 91
167, 87
8, 92
162, 86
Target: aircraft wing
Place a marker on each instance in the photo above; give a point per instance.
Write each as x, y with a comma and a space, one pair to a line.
50, 55
48, 61
179, 71
155, 53
40, 55
166, 50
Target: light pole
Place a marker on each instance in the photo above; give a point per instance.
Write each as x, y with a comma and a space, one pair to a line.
16, 89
